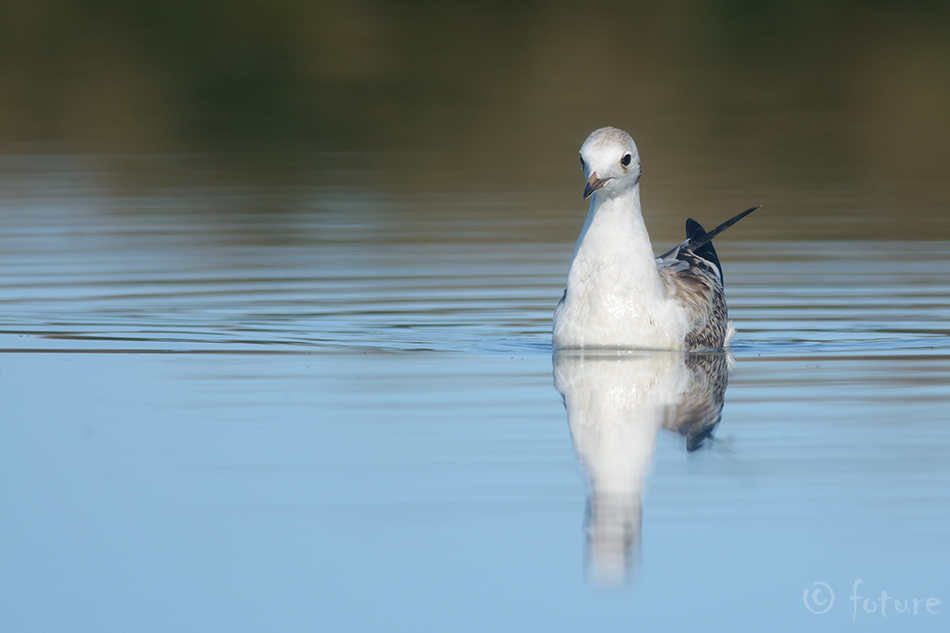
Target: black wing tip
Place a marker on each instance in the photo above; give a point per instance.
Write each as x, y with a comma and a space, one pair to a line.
700, 246
694, 230
707, 237
695, 441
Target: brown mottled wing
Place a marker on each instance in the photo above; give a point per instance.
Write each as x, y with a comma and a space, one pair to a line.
700, 409
692, 276
696, 284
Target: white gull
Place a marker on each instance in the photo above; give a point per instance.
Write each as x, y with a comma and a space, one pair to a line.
619, 295
616, 404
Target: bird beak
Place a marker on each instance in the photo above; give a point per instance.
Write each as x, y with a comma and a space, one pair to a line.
593, 184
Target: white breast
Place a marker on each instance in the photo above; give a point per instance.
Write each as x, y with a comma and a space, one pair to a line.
602, 314
615, 298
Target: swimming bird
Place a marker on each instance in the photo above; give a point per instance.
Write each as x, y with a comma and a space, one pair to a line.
619, 295
616, 404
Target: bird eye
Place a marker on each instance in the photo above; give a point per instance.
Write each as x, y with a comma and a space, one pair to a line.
626, 160
582, 159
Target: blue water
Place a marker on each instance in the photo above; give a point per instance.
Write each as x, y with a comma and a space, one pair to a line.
207, 427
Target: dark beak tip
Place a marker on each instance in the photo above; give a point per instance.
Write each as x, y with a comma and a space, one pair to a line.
593, 184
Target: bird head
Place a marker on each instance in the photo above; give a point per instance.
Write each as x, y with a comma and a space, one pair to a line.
610, 161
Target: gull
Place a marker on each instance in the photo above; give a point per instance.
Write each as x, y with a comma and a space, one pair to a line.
619, 294
617, 402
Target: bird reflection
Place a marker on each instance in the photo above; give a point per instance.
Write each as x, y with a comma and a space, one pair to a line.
616, 404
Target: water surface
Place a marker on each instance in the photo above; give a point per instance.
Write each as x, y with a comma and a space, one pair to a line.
312, 405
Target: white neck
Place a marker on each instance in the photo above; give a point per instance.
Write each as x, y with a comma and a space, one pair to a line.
614, 246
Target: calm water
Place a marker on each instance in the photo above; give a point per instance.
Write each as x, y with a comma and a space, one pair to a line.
316, 407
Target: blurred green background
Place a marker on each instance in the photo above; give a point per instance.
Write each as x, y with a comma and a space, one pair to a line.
834, 115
